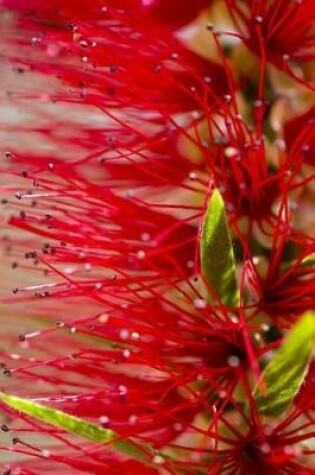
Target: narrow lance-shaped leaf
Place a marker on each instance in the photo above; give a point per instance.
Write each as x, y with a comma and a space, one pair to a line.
77, 426
309, 261
217, 257
283, 376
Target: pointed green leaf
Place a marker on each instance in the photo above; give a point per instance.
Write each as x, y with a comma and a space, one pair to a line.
217, 257
283, 376
309, 261
77, 426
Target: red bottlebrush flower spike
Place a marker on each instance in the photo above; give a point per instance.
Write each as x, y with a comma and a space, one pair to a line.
157, 219
290, 293
279, 31
175, 13
241, 172
300, 138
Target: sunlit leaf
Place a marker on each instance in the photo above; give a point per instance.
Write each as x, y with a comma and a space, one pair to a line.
283, 376
77, 426
217, 257
309, 261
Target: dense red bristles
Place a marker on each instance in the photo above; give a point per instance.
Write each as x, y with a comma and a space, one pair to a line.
114, 322
279, 31
176, 13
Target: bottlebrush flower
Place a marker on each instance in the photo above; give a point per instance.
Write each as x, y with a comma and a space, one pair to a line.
146, 343
176, 13
300, 138
279, 31
293, 287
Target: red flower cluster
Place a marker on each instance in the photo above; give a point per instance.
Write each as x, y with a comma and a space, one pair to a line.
133, 127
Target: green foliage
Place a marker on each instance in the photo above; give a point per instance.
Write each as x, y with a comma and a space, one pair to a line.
217, 257
76, 426
283, 376
309, 261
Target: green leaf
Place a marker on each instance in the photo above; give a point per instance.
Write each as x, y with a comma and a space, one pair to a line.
309, 260
77, 426
283, 376
217, 257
